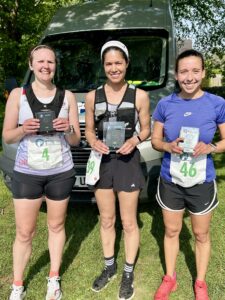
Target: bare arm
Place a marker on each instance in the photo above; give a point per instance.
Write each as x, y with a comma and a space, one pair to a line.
143, 107
11, 132
62, 124
159, 144
90, 133
203, 148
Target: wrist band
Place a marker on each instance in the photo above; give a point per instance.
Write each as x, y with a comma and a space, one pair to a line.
214, 146
138, 137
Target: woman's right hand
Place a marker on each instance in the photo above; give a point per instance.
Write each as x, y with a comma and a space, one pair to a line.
173, 146
31, 126
99, 146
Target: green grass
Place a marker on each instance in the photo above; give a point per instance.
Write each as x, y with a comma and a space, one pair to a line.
82, 259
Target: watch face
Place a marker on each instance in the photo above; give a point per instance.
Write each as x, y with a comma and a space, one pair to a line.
72, 129
46, 117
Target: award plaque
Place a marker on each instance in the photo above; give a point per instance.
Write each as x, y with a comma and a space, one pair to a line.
191, 137
46, 117
114, 134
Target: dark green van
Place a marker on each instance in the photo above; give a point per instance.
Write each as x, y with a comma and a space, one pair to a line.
77, 33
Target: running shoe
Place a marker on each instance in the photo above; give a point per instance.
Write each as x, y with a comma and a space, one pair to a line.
18, 293
105, 277
126, 287
168, 285
53, 288
201, 292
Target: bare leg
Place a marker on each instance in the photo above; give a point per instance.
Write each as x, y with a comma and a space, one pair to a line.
200, 227
26, 212
128, 211
56, 230
106, 205
173, 225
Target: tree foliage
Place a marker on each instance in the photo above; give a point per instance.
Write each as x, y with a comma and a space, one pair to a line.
22, 23
204, 23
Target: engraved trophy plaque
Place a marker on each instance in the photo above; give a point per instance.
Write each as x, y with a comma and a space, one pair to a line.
191, 137
46, 117
114, 134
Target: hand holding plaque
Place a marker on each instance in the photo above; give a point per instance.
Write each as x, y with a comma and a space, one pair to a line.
46, 118
191, 137
114, 134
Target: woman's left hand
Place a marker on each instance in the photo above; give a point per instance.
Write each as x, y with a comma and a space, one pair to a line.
127, 147
61, 124
202, 148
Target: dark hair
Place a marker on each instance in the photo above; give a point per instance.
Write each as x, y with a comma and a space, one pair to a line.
37, 48
187, 53
114, 48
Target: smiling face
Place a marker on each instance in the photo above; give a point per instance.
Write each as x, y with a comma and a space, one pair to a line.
189, 75
115, 66
43, 64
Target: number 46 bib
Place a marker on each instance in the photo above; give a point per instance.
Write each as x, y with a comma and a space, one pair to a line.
187, 170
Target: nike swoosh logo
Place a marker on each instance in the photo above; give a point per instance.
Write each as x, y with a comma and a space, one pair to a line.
187, 114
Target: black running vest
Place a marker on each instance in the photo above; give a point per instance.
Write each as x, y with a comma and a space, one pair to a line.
36, 105
126, 110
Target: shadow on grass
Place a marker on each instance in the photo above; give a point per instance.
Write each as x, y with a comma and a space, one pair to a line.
80, 221
157, 230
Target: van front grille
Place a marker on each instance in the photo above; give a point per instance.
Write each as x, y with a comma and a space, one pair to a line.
81, 153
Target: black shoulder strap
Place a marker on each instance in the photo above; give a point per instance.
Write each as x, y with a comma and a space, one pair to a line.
100, 95
59, 97
36, 105
130, 95
31, 98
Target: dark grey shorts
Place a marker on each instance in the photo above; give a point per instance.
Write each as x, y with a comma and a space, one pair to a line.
121, 172
54, 187
198, 199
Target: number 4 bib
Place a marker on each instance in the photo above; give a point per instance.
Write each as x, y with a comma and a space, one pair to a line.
187, 170
44, 152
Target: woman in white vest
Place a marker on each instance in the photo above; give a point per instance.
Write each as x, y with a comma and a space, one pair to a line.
44, 121
184, 127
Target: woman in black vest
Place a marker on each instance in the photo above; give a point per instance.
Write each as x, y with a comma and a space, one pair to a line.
115, 109
44, 121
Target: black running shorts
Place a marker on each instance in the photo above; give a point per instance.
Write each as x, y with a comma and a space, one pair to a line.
54, 187
198, 199
121, 172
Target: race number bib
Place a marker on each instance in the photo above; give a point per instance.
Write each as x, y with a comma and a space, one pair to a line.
93, 167
187, 170
44, 152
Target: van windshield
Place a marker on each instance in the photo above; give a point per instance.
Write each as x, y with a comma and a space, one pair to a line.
80, 69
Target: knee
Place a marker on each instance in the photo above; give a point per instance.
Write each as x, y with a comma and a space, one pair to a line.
24, 235
55, 227
202, 237
129, 226
107, 223
172, 232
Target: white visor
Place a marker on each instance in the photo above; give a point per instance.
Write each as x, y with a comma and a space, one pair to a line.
116, 44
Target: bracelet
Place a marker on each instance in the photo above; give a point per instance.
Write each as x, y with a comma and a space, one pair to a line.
138, 137
214, 146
